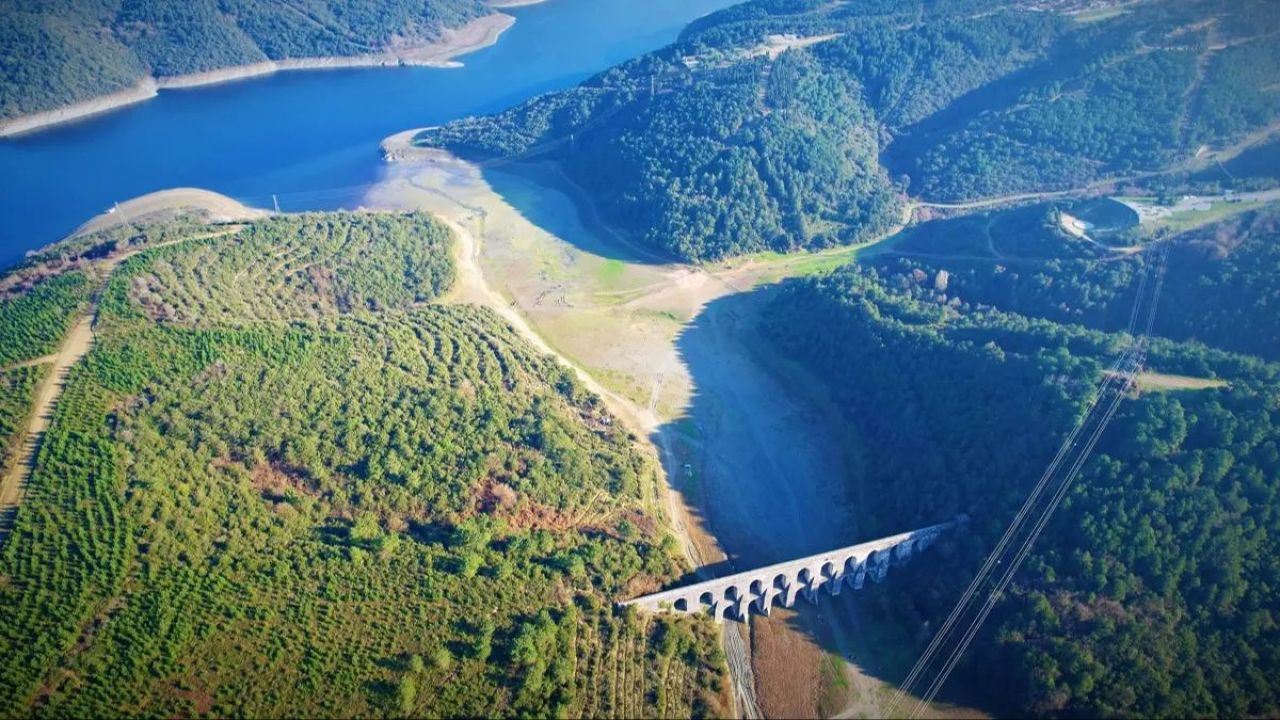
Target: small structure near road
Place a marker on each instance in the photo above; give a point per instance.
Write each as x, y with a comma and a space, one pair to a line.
761, 588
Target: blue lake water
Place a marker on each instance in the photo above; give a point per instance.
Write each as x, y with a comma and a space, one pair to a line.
311, 138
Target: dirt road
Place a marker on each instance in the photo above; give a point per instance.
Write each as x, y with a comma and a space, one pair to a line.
752, 475
14, 483
76, 344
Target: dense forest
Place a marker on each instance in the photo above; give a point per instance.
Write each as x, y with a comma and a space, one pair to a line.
1152, 591
17, 394
1223, 274
33, 322
64, 51
285, 482
788, 124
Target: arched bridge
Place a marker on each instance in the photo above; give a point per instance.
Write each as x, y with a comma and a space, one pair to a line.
761, 588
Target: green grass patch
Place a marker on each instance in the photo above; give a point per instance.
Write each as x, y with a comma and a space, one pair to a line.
1098, 15
611, 272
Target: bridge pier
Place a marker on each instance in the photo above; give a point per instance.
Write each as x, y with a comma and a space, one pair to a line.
836, 583
717, 610
858, 576
902, 553
789, 594
767, 600
808, 592
881, 568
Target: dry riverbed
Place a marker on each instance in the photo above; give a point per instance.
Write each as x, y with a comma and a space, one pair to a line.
755, 471
756, 461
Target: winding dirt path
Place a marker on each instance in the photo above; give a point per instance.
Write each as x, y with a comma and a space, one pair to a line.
471, 286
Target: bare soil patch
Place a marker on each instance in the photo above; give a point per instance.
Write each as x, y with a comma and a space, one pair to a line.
672, 348
788, 667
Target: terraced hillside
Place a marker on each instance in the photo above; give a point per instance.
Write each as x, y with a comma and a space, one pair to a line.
351, 501
263, 273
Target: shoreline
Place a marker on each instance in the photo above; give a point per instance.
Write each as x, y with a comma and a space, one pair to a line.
455, 42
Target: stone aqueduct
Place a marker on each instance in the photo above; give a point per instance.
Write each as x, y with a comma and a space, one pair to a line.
761, 588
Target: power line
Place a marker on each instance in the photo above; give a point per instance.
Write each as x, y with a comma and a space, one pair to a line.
1122, 370
1137, 354
1016, 524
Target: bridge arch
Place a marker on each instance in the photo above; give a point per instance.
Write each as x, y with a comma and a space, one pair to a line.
852, 568
850, 563
878, 564
732, 593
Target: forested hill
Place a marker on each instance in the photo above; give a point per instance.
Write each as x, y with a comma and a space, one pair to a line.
1152, 592
57, 52
784, 124
288, 481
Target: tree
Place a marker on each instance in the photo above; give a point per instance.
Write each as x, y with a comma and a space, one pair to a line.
407, 693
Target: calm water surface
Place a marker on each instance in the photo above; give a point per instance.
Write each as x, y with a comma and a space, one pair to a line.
311, 138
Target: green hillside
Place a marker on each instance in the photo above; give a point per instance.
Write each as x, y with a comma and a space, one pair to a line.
787, 124
17, 393
1223, 274
286, 482
32, 323
64, 51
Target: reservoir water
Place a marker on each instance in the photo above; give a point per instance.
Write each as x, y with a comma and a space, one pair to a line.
310, 138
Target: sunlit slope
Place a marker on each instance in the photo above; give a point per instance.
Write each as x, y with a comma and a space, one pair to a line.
311, 491
67, 51
787, 125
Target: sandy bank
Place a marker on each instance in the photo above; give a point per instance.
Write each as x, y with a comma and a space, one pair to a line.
454, 42
218, 208
399, 148
144, 90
